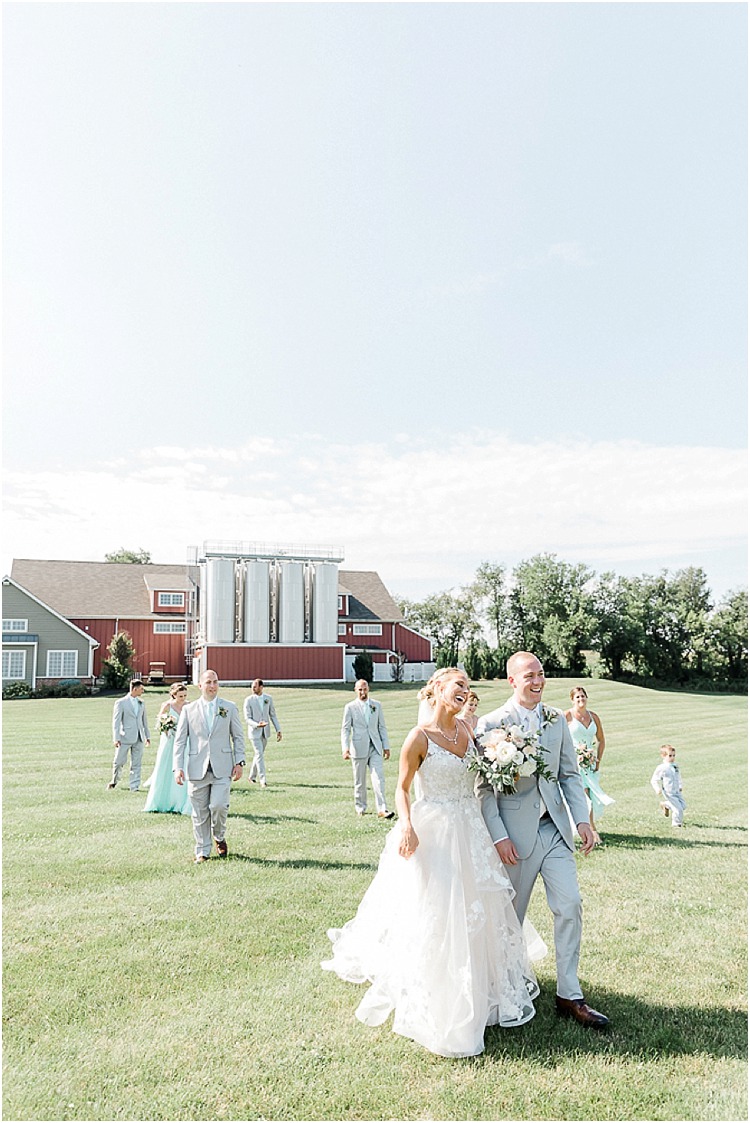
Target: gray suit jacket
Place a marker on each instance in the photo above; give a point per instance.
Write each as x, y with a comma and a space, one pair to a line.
356, 732
223, 748
126, 727
260, 707
516, 816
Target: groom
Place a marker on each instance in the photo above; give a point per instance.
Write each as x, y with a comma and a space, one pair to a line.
210, 730
531, 828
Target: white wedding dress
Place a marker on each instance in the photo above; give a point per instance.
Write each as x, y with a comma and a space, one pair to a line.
436, 935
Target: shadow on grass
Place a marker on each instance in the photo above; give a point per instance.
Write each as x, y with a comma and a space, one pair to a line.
281, 787
302, 863
676, 842
638, 1029
271, 819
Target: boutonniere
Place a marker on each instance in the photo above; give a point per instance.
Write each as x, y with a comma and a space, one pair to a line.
549, 717
265, 701
222, 712
372, 708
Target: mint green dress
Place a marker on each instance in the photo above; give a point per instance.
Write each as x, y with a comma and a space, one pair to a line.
598, 798
165, 794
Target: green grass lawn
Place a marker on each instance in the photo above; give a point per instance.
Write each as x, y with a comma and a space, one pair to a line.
139, 986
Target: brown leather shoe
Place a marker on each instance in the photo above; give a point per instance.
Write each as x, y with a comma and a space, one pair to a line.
221, 848
111, 785
583, 1014
385, 815
201, 858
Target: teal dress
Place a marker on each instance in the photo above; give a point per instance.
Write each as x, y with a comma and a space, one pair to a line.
598, 798
165, 794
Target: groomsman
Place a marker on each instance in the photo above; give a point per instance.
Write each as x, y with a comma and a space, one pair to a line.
259, 711
130, 734
364, 741
210, 735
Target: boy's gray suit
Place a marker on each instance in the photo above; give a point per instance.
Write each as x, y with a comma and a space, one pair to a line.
132, 733
545, 845
207, 759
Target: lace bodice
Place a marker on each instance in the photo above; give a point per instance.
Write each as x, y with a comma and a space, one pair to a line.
443, 777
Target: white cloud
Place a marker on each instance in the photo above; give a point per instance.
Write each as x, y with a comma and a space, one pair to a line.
423, 515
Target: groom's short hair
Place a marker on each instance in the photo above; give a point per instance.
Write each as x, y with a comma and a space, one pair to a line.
510, 666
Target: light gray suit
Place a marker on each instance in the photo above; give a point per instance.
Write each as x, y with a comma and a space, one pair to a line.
364, 735
545, 846
259, 707
132, 733
207, 758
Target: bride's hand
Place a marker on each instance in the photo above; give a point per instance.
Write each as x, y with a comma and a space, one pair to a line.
409, 842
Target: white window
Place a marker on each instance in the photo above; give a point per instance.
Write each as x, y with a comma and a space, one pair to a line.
15, 625
14, 663
367, 629
62, 664
169, 626
342, 629
171, 600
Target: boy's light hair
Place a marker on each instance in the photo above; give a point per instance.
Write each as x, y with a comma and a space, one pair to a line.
665, 750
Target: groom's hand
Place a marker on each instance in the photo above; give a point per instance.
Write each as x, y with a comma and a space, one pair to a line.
506, 852
587, 837
179, 777
237, 772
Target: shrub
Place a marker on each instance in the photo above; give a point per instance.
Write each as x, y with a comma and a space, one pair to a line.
17, 690
117, 671
397, 667
363, 666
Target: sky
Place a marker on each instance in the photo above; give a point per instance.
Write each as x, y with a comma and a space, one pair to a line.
433, 283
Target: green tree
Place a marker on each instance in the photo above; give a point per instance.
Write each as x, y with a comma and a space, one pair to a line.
118, 669
491, 595
618, 634
449, 619
131, 557
552, 611
728, 638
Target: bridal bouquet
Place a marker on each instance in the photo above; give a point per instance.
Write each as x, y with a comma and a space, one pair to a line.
505, 754
586, 755
166, 724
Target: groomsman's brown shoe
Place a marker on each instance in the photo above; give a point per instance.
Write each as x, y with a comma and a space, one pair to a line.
385, 815
221, 848
201, 858
111, 785
582, 1013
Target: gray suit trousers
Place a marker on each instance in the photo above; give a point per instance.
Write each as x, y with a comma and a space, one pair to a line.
210, 801
136, 759
556, 863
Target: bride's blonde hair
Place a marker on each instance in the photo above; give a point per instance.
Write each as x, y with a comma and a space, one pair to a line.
427, 693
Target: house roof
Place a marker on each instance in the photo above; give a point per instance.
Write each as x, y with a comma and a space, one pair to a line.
48, 607
104, 589
82, 589
368, 597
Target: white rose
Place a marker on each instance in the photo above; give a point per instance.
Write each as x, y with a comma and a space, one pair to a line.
527, 768
518, 757
505, 754
491, 753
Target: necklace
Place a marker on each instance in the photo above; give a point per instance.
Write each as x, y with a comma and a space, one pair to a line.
450, 740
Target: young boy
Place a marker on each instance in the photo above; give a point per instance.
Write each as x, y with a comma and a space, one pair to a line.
667, 782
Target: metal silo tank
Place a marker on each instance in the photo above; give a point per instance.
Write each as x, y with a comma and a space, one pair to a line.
291, 602
326, 603
257, 603
219, 600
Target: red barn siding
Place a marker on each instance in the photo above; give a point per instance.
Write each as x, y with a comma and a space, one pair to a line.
416, 648
166, 648
275, 663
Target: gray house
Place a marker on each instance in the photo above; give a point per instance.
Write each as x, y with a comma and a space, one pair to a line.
40, 645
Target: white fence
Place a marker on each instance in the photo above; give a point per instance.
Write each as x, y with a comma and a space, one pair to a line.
381, 672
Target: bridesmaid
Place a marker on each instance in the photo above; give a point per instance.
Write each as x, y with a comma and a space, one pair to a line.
164, 793
469, 712
588, 738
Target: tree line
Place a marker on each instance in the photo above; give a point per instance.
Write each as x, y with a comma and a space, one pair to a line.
662, 628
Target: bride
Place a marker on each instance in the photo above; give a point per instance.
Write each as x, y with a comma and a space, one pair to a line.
436, 934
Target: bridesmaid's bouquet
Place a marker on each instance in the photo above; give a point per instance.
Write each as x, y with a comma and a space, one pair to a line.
586, 755
506, 753
166, 724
